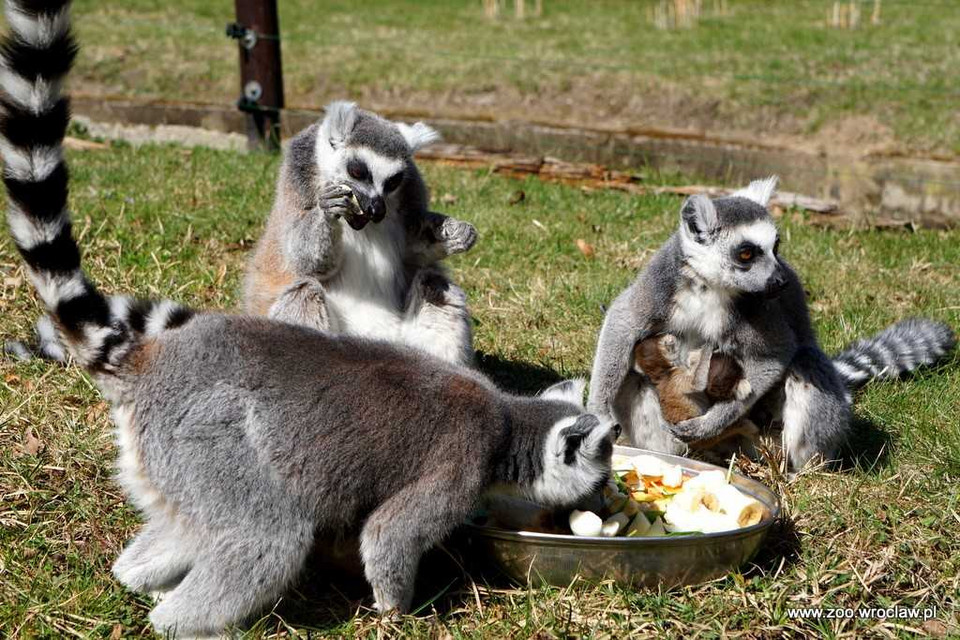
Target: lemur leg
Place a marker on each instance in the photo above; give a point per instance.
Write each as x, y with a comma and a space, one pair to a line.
236, 573
637, 409
400, 530
303, 303
437, 319
157, 558
816, 409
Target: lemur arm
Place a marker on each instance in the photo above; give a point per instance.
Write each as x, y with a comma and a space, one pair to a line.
431, 237
627, 321
312, 239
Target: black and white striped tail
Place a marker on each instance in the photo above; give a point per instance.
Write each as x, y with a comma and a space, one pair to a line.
35, 58
900, 348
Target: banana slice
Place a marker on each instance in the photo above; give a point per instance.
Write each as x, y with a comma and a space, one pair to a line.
614, 524
739, 507
585, 523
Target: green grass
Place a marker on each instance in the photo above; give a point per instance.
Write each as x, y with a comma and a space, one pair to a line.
175, 222
763, 67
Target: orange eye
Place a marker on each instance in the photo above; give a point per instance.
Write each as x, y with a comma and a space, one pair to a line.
745, 255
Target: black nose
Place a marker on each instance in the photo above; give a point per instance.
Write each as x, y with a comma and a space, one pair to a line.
616, 431
377, 209
776, 284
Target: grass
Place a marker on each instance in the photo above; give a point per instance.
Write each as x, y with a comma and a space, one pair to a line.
176, 222
761, 68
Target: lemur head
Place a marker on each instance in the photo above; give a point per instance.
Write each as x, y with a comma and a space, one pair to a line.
576, 451
370, 154
731, 243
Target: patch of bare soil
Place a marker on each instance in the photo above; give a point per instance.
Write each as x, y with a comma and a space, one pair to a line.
624, 103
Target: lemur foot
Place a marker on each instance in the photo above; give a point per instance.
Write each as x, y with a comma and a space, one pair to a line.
457, 236
302, 303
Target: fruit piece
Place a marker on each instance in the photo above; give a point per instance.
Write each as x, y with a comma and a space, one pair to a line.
647, 465
672, 475
585, 523
707, 480
614, 524
739, 507
656, 529
638, 526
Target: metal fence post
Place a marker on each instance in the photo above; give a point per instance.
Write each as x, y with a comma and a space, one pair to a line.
261, 75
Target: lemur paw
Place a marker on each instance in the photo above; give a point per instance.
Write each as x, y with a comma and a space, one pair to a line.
458, 236
690, 430
338, 200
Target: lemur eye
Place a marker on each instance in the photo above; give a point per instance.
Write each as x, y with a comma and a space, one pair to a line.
358, 170
393, 182
747, 253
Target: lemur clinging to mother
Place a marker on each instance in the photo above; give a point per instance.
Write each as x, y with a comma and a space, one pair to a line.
369, 266
242, 439
721, 280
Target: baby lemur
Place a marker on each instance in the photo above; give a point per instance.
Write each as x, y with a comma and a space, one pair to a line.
720, 280
351, 246
687, 386
242, 439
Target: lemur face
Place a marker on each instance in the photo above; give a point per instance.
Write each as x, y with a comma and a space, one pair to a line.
576, 460
576, 452
369, 154
732, 243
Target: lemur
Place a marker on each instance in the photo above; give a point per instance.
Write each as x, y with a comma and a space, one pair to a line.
242, 439
720, 279
351, 246
689, 384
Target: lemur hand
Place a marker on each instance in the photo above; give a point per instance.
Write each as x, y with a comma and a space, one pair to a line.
337, 200
457, 236
710, 425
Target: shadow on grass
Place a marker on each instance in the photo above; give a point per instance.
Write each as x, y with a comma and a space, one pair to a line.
517, 377
867, 449
333, 590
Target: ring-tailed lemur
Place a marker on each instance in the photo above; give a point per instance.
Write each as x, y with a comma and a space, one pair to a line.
242, 438
720, 279
351, 246
370, 266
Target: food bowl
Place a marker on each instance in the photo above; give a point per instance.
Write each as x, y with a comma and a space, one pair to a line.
682, 559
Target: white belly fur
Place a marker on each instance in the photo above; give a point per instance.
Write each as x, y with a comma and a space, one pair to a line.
366, 296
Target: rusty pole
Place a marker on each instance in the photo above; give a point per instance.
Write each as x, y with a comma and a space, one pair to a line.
261, 75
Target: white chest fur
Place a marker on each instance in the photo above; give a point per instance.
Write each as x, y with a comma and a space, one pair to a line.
700, 313
366, 296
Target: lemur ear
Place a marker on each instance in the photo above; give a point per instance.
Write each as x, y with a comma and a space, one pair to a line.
568, 391
418, 135
338, 121
759, 191
698, 217
577, 435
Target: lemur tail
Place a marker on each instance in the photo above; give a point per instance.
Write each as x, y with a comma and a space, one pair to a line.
35, 58
899, 348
